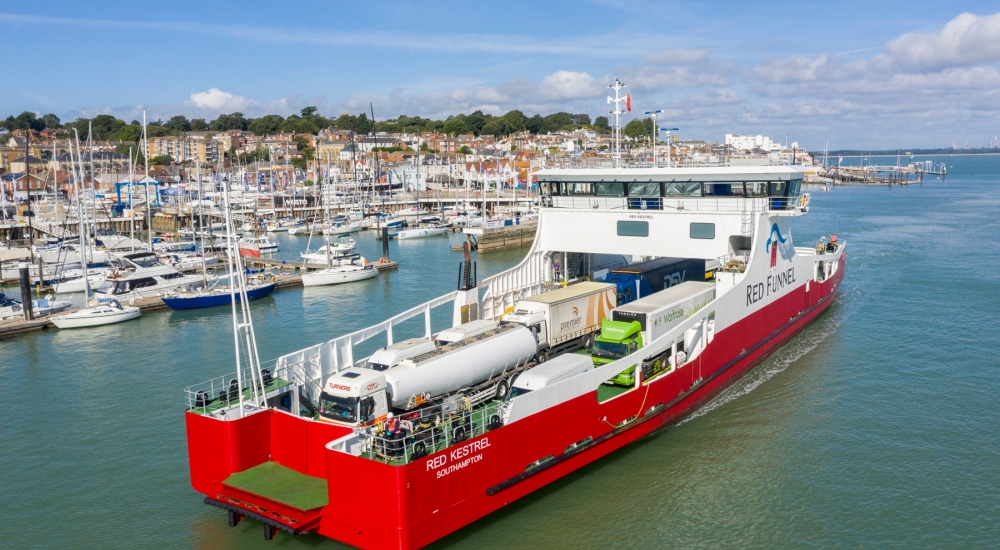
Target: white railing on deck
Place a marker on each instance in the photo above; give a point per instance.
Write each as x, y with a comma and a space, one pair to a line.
324, 359
679, 204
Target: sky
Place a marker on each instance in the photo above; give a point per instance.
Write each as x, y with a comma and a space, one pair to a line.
853, 75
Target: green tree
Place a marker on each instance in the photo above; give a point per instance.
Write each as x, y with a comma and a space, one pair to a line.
362, 125
198, 125
465, 150
601, 125
51, 121
514, 120
266, 125
639, 129
491, 128
130, 132
582, 119
556, 122
345, 122
297, 125
475, 122
177, 125
161, 159
534, 124
26, 121
455, 126
232, 121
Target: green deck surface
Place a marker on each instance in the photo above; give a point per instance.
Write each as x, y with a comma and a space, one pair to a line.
276, 482
216, 403
605, 392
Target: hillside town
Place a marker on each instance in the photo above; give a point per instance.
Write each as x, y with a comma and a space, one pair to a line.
407, 153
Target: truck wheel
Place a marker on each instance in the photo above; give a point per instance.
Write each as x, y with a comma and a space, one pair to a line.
501, 390
459, 434
542, 356
419, 449
587, 341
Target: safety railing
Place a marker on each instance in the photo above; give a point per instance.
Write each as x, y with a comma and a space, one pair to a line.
432, 432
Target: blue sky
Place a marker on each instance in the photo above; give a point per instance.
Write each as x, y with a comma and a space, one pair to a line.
896, 74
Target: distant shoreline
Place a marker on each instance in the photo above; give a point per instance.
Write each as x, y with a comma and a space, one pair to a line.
912, 153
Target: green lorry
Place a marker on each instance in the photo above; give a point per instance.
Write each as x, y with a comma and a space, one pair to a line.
618, 339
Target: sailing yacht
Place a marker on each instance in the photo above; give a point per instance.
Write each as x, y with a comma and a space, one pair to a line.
149, 278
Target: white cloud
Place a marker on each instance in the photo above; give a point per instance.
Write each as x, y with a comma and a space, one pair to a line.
677, 57
216, 100
965, 40
569, 85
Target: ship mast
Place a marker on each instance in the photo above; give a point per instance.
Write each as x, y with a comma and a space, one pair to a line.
617, 112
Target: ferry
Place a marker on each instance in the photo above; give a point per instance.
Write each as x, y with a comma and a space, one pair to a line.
328, 442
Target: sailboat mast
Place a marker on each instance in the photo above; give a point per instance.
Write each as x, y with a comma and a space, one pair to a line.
79, 214
145, 154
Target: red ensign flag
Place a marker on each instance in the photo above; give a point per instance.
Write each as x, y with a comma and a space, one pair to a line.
248, 249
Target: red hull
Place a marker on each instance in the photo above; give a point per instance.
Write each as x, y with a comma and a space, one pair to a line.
432, 497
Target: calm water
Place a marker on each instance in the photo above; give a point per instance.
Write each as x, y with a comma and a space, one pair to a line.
876, 427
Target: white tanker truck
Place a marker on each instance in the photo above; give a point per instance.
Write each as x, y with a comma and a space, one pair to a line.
477, 368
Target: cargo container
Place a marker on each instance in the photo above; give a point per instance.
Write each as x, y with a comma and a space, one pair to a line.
565, 318
641, 279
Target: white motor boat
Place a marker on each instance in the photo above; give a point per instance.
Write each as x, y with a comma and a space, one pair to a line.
188, 262
421, 232
264, 244
106, 312
98, 283
338, 274
342, 248
149, 278
338, 227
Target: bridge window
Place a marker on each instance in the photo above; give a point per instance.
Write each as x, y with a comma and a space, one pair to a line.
628, 228
579, 189
610, 189
702, 230
682, 189
644, 189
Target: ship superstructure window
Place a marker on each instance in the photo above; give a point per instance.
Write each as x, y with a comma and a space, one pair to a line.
635, 229
644, 189
610, 189
578, 189
682, 189
702, 230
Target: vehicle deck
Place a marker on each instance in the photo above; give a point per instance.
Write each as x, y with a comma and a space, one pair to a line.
280, 484
605, 392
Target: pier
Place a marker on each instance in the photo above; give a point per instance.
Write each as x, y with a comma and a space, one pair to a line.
12, 327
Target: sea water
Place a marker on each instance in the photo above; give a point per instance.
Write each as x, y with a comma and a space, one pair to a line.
876, 427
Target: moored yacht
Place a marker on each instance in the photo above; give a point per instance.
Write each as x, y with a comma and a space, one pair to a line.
149, 277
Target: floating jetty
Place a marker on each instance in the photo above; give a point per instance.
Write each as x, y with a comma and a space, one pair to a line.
493, 239
12, 327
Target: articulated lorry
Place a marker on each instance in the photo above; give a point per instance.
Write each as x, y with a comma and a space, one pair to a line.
642, 321
563, 319
641, 279
408, 375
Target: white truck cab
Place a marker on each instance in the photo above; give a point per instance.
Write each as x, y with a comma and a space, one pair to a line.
354, 397
390, 356
533, 316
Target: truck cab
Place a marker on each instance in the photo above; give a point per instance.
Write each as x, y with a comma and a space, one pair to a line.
531, 318
354, 397
616, 340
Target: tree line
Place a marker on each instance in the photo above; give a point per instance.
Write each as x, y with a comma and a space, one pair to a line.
310, 121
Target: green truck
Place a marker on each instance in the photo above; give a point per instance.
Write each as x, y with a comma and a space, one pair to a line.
646, 320
618, 339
